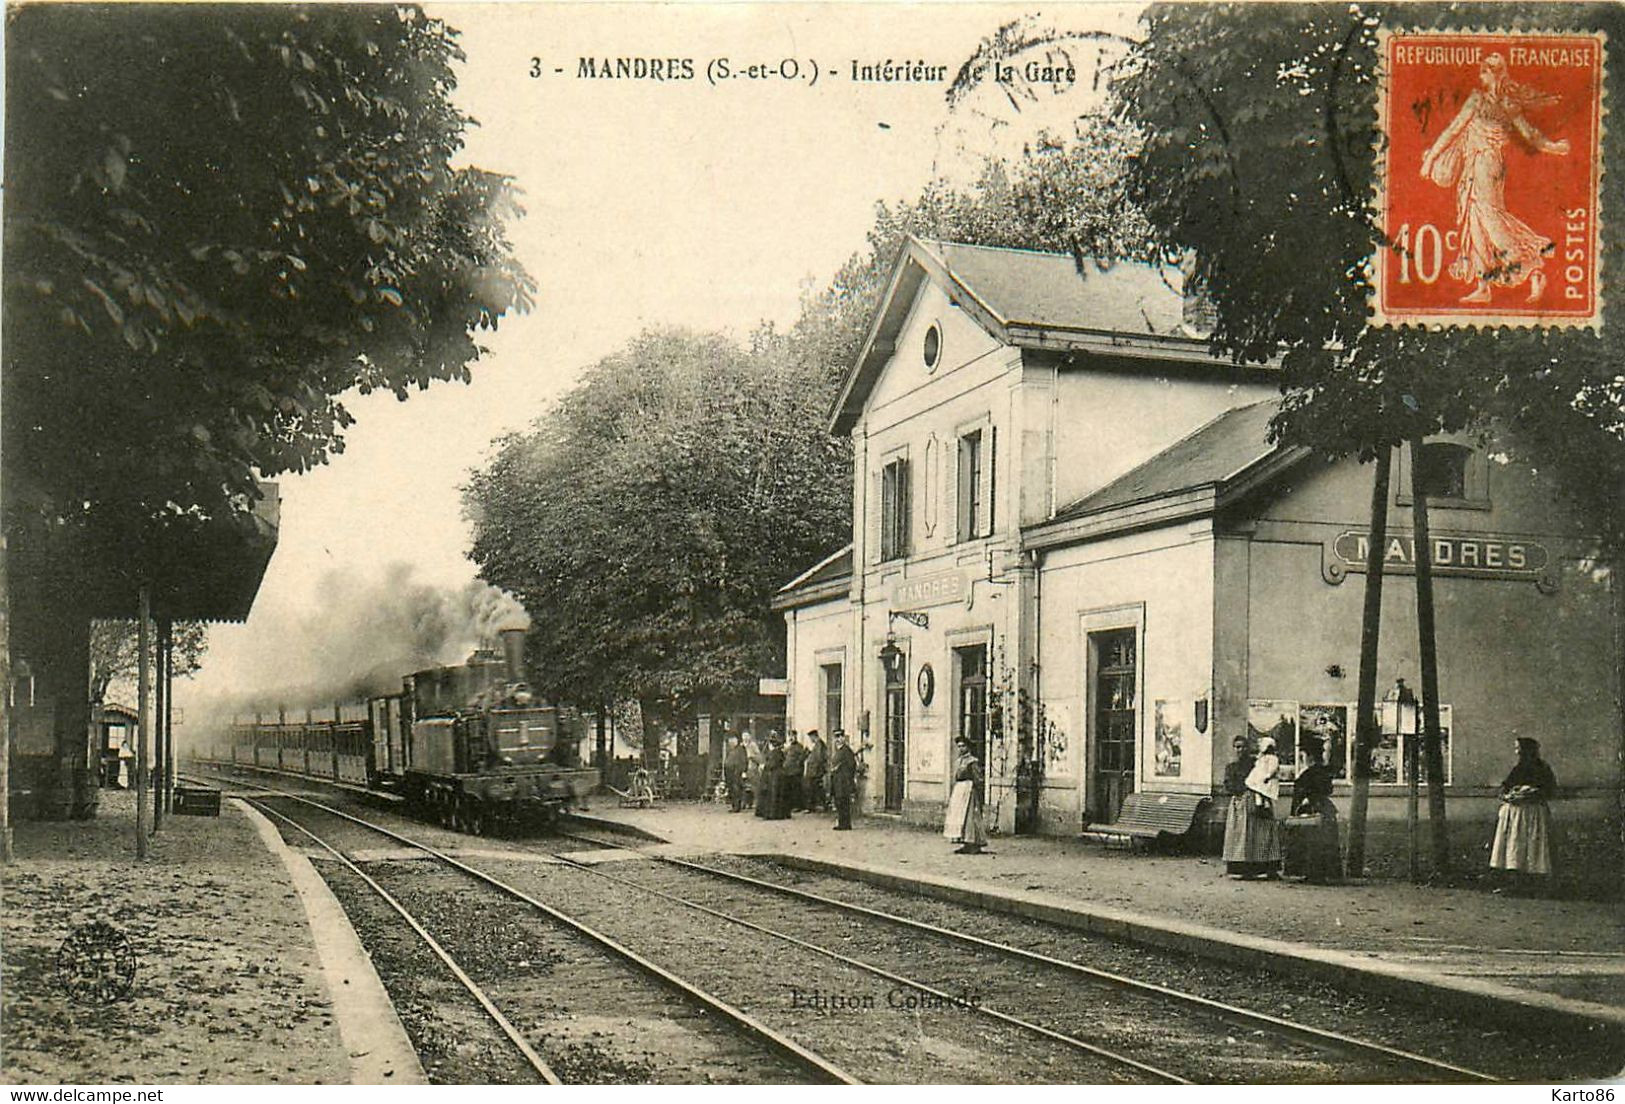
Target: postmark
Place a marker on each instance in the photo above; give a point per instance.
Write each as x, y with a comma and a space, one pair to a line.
96, 964
1489, 179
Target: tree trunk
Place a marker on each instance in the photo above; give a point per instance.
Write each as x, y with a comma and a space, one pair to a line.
143, 725
1428, 644
6, 855
159, 688
1370, 626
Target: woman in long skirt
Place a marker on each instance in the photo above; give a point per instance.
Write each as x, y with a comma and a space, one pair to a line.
1262, 847
1312, 796
770, 795
1242, 858
1523, 831
964, 824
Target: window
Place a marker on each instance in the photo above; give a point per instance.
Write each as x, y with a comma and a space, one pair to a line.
894, 510
1454, 474
1442, 470
932, 349
832, 698
975, 483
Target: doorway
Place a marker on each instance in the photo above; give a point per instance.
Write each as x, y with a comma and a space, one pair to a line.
1113, 731
896, 734
972, 664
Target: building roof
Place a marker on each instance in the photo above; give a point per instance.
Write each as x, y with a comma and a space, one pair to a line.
1212, 455
1031, 300
1024, 287
830, 577
208, 573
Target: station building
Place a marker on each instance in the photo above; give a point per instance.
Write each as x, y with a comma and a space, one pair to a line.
1073, 542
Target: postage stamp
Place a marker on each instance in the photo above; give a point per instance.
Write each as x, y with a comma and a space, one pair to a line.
1489, 181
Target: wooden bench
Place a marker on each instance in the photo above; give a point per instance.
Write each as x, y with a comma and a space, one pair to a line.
1148, 817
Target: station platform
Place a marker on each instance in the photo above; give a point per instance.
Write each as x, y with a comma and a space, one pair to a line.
246, 970
1486, 954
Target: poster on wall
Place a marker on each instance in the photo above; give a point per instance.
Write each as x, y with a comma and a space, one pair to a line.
1446, 723
1385, 759
1279, 721
1168, 748
1330, 723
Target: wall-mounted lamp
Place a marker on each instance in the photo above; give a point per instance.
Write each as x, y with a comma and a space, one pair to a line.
891, 656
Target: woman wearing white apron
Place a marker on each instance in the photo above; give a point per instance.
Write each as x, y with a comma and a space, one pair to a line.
1264, 831
964, 824
1523, 831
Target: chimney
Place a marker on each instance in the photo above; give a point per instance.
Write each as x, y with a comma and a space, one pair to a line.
513, 648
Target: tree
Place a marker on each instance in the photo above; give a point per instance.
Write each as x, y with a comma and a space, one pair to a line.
1259, 160
214, 228
1065, 195
646, 521
114, 654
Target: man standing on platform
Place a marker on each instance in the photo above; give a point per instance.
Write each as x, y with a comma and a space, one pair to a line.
812, 776
843, 781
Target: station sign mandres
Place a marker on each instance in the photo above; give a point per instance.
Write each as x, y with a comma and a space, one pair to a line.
1483, 556
939, 589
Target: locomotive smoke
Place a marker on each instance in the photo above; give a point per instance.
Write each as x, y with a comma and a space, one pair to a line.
366, 635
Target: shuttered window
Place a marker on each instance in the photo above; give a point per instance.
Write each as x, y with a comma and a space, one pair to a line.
975, 484
894, 510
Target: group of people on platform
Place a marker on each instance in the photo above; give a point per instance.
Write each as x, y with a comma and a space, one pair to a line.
779, 776
1252, 828
1253, 844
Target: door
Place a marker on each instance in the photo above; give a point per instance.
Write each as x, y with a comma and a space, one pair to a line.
973, 702
1112, 735
896, 734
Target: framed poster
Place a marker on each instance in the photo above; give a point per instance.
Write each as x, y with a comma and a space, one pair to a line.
1168, 747
1385, 760
1446, 723
1329, 722
1279, 721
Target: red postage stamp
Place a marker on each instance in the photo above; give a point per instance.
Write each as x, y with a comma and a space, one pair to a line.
1489, 185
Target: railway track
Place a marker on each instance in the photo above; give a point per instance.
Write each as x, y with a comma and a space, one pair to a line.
1101, 1063
1368, 1056
917, 954
796, 1062
528, 1053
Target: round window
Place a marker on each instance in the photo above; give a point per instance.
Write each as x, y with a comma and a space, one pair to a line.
933, 346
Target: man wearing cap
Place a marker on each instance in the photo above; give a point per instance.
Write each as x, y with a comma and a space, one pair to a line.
843, 781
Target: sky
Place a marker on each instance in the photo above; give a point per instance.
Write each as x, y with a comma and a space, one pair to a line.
648, 203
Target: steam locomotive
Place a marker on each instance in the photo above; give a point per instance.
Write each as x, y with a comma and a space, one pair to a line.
468, 746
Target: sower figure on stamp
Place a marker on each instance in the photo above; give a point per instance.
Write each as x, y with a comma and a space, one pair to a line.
843, 781
1496, 247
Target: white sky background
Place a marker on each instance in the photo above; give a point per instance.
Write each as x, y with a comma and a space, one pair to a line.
647, 204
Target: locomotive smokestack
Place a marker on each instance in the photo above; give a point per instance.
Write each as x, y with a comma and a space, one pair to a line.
513, 649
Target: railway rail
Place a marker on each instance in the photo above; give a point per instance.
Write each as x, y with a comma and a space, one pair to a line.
1344, 1055
1408, 1064
797, 1056
510, 1032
